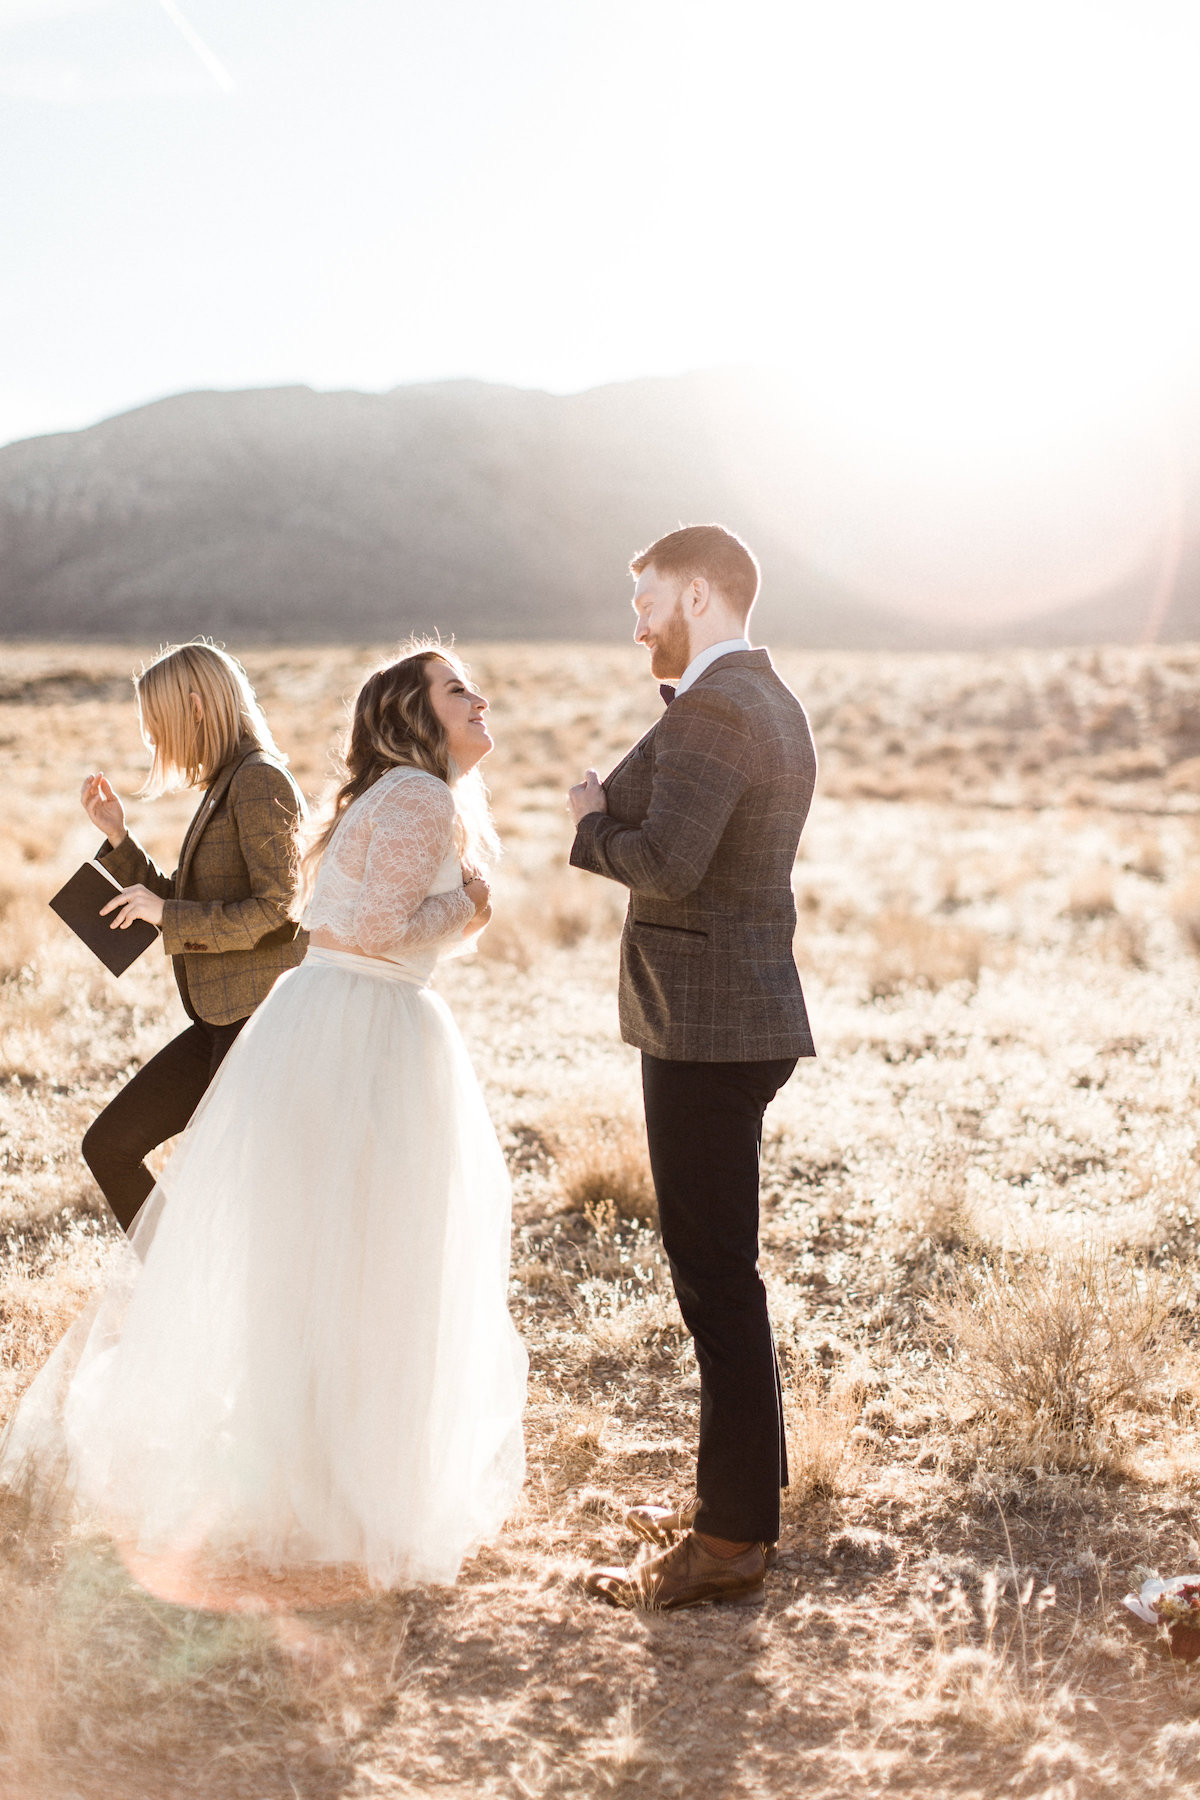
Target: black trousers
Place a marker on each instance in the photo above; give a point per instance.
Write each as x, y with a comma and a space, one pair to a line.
704, 1130
155, 1105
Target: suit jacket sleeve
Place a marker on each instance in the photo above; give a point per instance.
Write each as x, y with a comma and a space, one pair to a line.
264, 806
701, 770
129, 864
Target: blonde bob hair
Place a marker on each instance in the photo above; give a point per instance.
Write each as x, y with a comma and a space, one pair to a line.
392, 726
191, 743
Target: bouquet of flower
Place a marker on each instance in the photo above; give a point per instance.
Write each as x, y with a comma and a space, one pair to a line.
1173, 1604
1179, 1605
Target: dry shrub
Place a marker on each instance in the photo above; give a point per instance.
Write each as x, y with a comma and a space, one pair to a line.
1146, 856
558, 913
911, 951
1178, 1747
1091, 895
630, 1318
621, 1293
933, 1214
602, 1160
536, 1273
1167, 1228
22, 934
571, 908
974, 1689
1053, 1348
622, 1756
819, 1418
35, 1311
505, 940
995, 1682
1124, 940
14, 881
575, 1446
40, 1300
1185, 910
1184, 778
566, 923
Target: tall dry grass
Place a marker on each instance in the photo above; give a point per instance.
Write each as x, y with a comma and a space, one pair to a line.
911, 951
820, 1417
1055, 1350
999, 1681
601, 1161
1185, 908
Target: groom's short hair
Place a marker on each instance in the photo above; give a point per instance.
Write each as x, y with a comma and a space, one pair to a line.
709, 551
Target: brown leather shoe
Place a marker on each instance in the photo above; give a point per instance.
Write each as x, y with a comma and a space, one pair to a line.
663, 1524
685, 1575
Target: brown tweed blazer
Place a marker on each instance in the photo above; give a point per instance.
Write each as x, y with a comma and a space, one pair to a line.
704, 817
225, 923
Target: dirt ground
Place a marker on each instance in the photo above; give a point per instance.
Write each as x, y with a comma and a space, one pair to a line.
979, 1227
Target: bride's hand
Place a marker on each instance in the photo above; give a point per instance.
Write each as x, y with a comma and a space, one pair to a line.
478, 890
475, 885
103, 807
474, 926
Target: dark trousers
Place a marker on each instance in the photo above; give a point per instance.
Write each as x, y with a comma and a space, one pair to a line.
155, 1105
704, 1130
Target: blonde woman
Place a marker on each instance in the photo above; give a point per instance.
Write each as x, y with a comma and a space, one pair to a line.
314, 1363
224, 913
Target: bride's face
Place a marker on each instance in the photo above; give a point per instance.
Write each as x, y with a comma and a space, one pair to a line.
460, 710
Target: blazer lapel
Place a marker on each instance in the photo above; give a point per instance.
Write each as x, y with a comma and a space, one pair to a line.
755, 658
639, 749
201, 817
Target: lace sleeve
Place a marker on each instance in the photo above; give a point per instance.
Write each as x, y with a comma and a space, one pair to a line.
411, 834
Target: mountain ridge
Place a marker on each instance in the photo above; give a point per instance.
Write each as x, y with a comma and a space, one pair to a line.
287, 514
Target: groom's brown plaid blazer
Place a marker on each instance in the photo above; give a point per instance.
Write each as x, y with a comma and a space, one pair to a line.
704, 817
225, 921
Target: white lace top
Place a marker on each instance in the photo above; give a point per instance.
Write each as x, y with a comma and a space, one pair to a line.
390, 880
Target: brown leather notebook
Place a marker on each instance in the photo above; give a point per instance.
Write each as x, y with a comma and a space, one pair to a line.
78, 905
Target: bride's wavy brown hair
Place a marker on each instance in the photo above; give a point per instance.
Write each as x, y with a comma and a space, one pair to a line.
393, 726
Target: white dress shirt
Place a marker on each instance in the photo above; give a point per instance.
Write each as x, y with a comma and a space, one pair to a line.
706, 659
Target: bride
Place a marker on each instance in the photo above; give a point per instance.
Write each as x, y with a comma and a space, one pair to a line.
305, 1358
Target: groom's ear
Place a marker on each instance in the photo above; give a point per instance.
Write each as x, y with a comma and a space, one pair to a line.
696, 596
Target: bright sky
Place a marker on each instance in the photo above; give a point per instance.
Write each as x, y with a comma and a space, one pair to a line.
966, 231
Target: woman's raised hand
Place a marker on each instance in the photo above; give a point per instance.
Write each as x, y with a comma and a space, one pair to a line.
477, 889
103, 807
481, 898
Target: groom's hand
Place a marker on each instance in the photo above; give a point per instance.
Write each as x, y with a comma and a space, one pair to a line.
587, 796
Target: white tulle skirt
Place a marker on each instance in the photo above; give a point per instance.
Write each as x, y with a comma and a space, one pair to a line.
305, 1355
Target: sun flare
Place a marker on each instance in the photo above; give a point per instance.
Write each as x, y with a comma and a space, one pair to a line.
988, 223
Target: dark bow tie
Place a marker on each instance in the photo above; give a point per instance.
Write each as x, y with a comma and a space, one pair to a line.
667, 692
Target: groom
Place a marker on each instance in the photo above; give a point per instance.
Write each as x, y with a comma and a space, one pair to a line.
700, 822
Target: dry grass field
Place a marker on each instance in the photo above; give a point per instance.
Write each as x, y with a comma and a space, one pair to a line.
979, 1235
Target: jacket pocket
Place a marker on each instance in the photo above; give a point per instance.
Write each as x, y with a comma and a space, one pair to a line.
676, 940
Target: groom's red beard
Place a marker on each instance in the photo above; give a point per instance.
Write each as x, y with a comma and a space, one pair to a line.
671, 650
